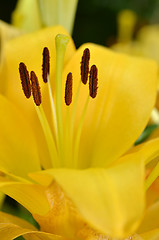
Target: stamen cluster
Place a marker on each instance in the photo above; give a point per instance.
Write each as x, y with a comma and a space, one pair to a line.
93, 80
31, 83
60, 146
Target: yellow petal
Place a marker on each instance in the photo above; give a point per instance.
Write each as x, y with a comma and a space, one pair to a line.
18, 150
149, 150
63, 218
119, 113
152, 235
10, 231
7, 218
31, 196
110, 200
151, 219
11, 227
7, 32
152, 177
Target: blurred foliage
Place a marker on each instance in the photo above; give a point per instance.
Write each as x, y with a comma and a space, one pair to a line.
146, 133
143, 8
12, 207
6, 7
96, 19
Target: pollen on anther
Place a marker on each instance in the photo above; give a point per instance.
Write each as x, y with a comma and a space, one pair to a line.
68, 89
85, 65
45, 64
93, 81
35, 88
25, 81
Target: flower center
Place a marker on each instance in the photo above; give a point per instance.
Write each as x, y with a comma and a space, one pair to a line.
63, 144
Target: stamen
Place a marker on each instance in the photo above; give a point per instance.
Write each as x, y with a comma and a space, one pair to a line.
24, 76
46, 64
35, 88
48, 136
68, 89
93, 81
85, 66
45, 75
78, 134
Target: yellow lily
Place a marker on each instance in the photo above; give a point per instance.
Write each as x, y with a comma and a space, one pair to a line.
31, 15
92, 186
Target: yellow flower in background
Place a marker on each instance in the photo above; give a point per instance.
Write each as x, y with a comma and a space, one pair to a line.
146, 41
126, 23
91, 187
31, 15
145, 44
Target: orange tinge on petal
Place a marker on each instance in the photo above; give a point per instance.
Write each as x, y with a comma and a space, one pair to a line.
63, 218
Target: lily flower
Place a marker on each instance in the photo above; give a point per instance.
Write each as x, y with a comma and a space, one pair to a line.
73, 166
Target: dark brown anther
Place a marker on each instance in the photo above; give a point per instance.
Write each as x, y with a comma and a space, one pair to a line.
24, 76
46, 64
68, 89
35, 88
93, 81
85, 66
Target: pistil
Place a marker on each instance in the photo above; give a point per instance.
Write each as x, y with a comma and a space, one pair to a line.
61, 42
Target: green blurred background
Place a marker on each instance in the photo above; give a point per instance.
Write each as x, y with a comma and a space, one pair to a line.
96, 19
